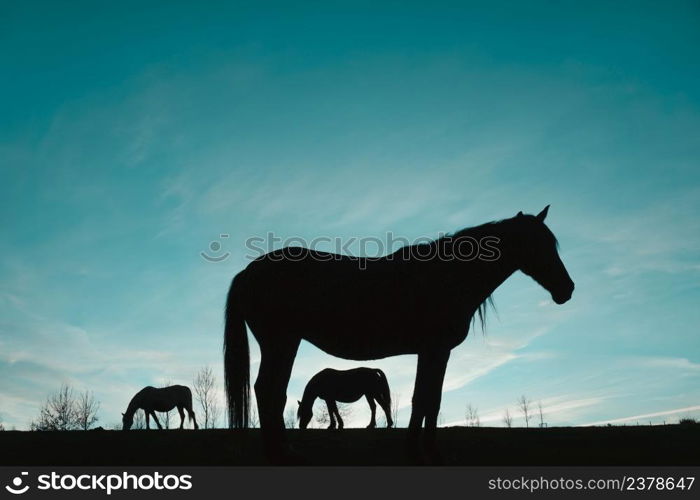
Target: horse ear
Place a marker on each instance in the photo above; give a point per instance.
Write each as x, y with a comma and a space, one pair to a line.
520, 214
123, 415
299, 402
543, 214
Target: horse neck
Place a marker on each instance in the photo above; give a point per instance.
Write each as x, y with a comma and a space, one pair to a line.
310, 394
133, 405
484, 275
490, 276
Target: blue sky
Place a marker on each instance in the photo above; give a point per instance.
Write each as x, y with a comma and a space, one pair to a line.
132, 136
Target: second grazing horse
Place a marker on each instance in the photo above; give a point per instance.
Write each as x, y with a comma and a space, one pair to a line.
346, 386
152, 399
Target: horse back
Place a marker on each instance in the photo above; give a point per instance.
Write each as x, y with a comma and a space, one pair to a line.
163, 399
373, 307
347, 386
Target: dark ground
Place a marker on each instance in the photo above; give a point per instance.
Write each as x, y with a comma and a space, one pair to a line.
643, 445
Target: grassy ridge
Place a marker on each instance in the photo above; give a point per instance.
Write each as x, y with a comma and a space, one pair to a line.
643, 445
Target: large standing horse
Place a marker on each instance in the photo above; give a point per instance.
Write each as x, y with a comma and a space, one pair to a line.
419, 300
346, 386
151, 399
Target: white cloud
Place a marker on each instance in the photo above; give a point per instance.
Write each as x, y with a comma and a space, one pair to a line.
634, 418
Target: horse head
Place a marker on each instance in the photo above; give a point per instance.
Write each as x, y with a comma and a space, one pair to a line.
539, 258
127, 421
304, 414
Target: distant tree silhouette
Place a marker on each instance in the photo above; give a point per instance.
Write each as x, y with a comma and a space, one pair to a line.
2, 427
472, 416
139, 420
63, 411
322, 417
86, 408
540, 411
205, 393
507, 419
290, 418
524, 405
395, 399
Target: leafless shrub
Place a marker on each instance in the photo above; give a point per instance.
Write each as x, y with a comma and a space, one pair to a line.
323, 418
472, 416
86, 408
63, 411
205, 394
524, 405
290, 418
507, 419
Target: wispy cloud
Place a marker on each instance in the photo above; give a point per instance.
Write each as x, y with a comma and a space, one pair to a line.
634, 418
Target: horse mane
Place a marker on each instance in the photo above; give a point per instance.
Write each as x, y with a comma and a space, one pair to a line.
474, 232
482, 308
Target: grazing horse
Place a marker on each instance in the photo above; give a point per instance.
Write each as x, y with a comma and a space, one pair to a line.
346, 386
150, 400
420, 300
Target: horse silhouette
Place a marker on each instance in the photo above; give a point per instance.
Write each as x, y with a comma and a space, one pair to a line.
420, 300
152, 399
346, 386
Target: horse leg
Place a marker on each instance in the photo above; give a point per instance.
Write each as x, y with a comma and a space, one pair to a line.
331, 416
373, 409
148, 420
386, 407
433, 397
334, 409
427, 393
182, 416
276, 363
153, 414
190, 413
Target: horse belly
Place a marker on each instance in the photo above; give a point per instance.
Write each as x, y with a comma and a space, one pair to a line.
163, 407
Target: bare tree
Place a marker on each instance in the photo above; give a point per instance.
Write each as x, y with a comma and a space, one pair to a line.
524, 405
472, 416
86, 408
507, 419
139, 420
541, 413
323, 419
395, 398
205, 394
58, 413
394, 410
290, 418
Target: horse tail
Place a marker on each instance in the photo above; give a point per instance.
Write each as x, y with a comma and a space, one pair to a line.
384, 387
236, 358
